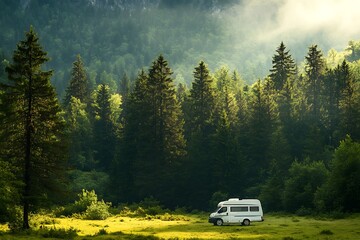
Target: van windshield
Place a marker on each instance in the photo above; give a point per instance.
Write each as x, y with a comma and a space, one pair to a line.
222, 209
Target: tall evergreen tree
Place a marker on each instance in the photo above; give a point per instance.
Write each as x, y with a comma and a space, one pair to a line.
124, 87
78, 86
334, 84
314, 68
80, 135
164, 144
283, 67
202, 100
104, 135
132, 142
313, 92
199, 130
261, 123
350, 107
33, 128
224, 150
226, 97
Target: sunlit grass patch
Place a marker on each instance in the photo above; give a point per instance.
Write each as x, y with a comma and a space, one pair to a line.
173, 226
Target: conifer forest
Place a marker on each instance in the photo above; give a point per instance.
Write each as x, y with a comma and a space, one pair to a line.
182, 102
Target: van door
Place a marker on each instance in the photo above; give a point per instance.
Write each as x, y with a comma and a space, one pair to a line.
223, 213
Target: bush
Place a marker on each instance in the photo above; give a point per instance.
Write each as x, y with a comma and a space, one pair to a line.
15, 220
59, 233
87, 207
86, 198
303, 181
304, 211
97, 211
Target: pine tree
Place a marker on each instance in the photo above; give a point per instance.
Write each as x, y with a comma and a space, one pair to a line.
349, 107
162, 138
78, 86
32, 137
262, 124
226, 95
224, 151
313, 92
80, 135
334, 84
283, 67
202, 100
132, 142
104, 130
314, 68
124, 87
199, 116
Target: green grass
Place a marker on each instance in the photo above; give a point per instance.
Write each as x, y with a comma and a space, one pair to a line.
173, 227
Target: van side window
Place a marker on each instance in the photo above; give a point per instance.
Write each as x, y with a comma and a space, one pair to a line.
238, 209
254, 209
223, 209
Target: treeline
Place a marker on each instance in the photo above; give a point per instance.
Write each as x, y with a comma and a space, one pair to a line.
275, 139
290, 139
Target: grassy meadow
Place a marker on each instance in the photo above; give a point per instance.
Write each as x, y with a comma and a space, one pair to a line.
173, 226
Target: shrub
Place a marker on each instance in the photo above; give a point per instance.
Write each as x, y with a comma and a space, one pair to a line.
102, 232
15, 220
86, 198
87, 207
150, 202
59, 233
97, 211
303, 181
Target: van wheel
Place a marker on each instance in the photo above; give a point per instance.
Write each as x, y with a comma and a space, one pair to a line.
246, 222
219, 222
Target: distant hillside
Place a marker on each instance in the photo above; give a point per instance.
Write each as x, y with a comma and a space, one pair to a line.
117, 37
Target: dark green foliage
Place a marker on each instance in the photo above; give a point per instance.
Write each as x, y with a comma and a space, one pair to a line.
350, 105
313, 84
342, 190
272, 191
9, 193
80, 135
131, 140
301, 184
335, 83
33, 136
326, 232
283, 67
153, 135
78, 86
262, 123
87, 206
58, 233
104, 129
199, 114
314, 69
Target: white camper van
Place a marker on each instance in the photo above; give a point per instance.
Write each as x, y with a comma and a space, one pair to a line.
237, 211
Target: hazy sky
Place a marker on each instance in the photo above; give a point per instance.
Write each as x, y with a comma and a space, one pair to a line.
257, 27
335, 21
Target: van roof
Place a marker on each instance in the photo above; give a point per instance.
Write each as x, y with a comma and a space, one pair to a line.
237, 201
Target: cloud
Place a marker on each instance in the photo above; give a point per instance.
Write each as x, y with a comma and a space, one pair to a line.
335, 18
334, 21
